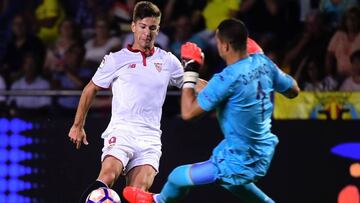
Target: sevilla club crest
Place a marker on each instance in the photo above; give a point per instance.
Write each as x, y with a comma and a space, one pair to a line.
158, 66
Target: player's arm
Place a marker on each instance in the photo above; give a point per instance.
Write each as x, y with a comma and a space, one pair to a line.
85, 102
192, 58
285, 84
77, 133
293, 91
189, 106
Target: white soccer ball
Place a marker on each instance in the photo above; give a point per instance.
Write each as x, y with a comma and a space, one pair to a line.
103, 195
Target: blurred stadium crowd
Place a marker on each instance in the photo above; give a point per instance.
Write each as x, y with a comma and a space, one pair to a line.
58, 44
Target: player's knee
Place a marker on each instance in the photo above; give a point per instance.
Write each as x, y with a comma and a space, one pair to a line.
180, 176
108, 177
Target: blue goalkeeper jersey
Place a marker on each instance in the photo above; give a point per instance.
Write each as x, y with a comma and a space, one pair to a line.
241, 94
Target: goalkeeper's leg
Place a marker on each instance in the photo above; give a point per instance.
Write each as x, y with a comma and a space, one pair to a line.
184, 177
178, 184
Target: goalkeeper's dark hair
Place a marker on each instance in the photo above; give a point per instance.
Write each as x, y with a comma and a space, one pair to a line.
234, 32
144, 9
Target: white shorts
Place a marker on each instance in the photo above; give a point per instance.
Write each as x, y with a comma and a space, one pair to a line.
131, 150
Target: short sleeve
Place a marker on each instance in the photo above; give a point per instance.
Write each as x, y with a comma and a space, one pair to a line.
105, 73
177, 71
282, 81
217, 90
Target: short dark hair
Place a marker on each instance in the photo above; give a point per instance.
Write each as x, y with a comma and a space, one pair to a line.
355, 55
144, 9
234, 32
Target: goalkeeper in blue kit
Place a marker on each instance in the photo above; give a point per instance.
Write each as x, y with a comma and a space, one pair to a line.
241, 95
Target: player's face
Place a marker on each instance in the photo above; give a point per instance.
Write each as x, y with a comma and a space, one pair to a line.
145, 32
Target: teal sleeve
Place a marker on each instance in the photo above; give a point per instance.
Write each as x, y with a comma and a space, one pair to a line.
282, 81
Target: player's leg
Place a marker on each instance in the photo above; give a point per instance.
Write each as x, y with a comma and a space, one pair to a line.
179, 182
252, 168
183, 177
141, 171
111, 168
141, 177
249, 193
139, 181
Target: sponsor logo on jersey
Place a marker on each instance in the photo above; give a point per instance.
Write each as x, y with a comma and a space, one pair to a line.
133, 65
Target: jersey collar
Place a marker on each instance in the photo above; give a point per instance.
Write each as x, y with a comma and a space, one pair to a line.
144, 54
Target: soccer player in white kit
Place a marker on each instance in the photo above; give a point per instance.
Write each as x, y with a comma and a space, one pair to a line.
138, 76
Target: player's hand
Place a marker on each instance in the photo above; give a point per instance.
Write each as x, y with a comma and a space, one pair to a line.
191, 73
192, 59
191, 66
77, 136
190, 51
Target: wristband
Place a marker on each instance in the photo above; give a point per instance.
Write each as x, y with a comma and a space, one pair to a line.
189, 85
191, 77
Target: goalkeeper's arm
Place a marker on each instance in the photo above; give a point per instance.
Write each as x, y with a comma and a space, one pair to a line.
192, 58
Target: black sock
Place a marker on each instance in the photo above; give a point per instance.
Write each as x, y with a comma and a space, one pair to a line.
95, 185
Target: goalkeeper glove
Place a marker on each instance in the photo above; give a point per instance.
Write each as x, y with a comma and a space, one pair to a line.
192, 59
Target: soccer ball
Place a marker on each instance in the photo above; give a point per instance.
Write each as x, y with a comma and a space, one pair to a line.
103, 195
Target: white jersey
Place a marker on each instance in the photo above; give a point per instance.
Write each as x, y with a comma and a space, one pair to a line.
139, 85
